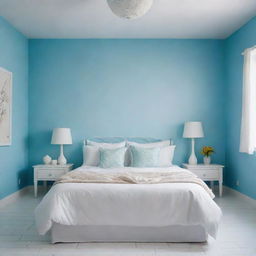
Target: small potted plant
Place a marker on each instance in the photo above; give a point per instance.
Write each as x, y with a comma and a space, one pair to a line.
207, 151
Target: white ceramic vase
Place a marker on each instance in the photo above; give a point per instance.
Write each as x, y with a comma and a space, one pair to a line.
47, 159
207, 160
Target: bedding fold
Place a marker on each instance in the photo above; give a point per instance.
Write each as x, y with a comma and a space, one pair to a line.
134, 177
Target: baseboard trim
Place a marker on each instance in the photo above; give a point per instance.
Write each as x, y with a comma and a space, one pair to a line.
18, 194
236, 193
14, 196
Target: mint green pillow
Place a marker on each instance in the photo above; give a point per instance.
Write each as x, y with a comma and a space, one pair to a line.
144, 157
111, 158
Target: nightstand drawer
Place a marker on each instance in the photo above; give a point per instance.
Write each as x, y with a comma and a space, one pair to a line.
50, 174
207, 174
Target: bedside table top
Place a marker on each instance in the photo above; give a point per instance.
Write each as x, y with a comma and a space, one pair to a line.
202, 166
49, 166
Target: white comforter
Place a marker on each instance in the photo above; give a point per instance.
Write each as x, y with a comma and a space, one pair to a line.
157, 205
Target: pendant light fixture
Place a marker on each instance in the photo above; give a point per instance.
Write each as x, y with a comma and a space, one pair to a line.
130, 9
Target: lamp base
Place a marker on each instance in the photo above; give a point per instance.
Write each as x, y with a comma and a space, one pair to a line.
61, 159
192, 160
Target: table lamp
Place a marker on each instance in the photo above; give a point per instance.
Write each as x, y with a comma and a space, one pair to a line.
193, 130
61, 136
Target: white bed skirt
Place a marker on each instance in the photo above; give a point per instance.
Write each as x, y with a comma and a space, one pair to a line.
177, 233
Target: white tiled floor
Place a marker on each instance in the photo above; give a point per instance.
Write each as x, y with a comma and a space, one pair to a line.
237, 235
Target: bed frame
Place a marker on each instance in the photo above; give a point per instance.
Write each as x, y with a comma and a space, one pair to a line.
177, 233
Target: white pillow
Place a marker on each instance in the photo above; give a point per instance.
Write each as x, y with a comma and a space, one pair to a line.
158, 144
91, 155
166, 156
106, 145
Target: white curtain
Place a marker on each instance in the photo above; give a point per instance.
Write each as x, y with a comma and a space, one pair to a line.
248, 124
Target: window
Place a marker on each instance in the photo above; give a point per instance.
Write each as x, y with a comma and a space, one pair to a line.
248, 123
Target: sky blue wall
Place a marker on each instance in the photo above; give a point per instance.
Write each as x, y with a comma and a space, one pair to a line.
241, 166
14, 158
125, 88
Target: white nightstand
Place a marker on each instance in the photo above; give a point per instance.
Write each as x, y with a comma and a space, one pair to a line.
46, 173
211, 172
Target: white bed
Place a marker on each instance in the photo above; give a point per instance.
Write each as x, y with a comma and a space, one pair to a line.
96, 212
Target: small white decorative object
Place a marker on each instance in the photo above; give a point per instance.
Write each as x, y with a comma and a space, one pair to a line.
207, 160
130, 9
54, 162
61, 136
47, 159
193, 130
5, 107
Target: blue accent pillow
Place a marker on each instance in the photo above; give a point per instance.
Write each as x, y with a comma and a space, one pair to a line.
144, 157
112, 158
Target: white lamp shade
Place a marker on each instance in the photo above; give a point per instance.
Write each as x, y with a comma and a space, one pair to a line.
61, 136
193, 130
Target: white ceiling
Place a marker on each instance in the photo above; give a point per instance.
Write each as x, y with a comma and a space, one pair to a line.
93, 18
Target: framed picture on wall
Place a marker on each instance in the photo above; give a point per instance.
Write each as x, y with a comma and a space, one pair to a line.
5, 107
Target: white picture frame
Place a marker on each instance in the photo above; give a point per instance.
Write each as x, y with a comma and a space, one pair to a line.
5, 107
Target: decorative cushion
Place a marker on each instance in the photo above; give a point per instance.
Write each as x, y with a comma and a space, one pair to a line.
160, 144
144, 157
112, 158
